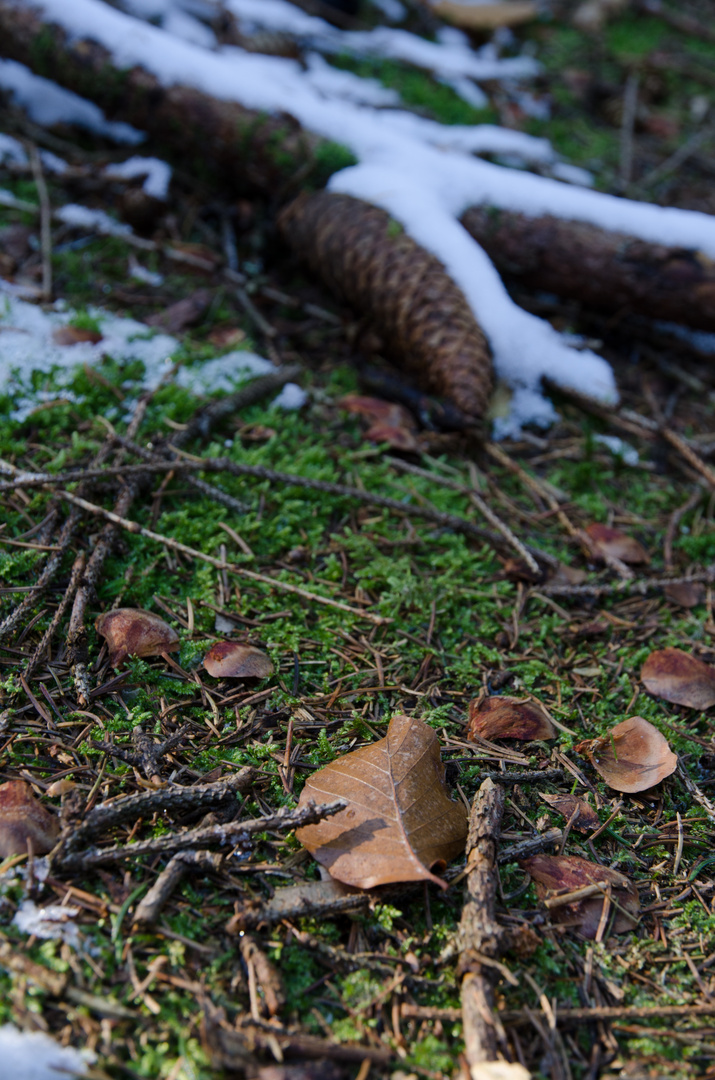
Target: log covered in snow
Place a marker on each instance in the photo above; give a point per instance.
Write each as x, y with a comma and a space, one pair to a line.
608, 271
249, 149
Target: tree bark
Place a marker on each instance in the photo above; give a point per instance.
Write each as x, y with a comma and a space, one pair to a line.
609, 271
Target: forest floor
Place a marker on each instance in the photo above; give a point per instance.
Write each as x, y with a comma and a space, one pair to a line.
457, 621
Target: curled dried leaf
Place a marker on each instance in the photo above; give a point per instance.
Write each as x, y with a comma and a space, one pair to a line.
687, 594
389, 422
399, 823
24, 819
75, 335
133, 632
633, 756
561, 875
230, 659
677, 676
605, 542
503, 717
583, 817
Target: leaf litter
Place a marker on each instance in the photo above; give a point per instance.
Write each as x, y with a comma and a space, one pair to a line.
677, 676
400, 822
633, 756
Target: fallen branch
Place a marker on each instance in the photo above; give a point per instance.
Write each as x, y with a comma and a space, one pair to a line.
609, 271
479, 931
232, 834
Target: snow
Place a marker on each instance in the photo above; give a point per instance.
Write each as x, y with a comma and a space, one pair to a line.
423, 173
391, 9
47, 103
32, 1055
619, 448
156, 173
185, 26
11, 150
52, 921
84, 218
223, 372
291, 397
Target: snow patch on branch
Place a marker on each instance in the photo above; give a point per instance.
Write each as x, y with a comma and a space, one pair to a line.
32, 1055
47, 103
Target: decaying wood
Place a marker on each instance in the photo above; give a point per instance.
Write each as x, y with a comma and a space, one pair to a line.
245, 148
479, 931
310, 899
151, 905
609, 271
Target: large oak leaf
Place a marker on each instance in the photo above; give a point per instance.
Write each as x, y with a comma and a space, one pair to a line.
399, 823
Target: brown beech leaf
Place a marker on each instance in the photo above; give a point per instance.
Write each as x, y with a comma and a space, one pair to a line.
23, 818
687, 594
586, 817
612, 543
229, 659
74, 335
633, 756
133, 632
183, 313
399, 823
556, 874
389, 422
503, 717
677, 676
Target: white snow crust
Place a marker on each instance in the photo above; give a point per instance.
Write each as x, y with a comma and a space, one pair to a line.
156, 173
47, 103
33, 1055
51, 921
425, 174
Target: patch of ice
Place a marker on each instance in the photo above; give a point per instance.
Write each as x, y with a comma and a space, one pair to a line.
47, 103
628, 454
51, 921
26, 345
391, 9
85, 218
11, 150
52, 163
572, 174
156, 173
222, 373
182, 25
33, 1055
142, 273
291, 397
333, 83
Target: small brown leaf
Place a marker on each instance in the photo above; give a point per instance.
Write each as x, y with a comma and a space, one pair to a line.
567, 575
183, 313
133, 632
556, 874
586, 817
633, 756
400, 821
226, 337
229, 659
502, 717
677, 676
516, 569
605, 542
390, 422
487, 16
74, 335
687, 594
23, 818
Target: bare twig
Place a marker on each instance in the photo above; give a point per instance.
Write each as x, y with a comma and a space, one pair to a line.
151, 905
45, 222
77, 571
479, 931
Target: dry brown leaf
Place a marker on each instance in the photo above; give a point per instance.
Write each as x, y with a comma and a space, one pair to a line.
676, 676
225, 337
183, 313
687, 594
73, 335
503, 717
605, 542
586, 817
390, 422
23, 818
400, 821
556, 874
485, 16
229, 659
633, 756
133, 632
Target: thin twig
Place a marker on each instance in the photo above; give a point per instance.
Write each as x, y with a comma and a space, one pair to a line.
45, 222
77, 572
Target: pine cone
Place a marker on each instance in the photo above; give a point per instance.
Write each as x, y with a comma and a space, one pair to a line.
366, 258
